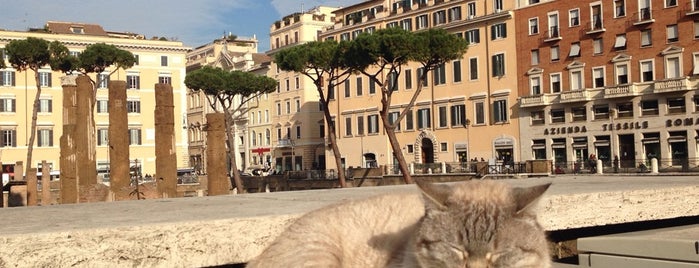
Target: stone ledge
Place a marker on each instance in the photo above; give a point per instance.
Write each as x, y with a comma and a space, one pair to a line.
206, 231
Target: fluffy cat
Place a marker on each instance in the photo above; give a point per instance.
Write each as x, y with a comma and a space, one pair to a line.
473, 224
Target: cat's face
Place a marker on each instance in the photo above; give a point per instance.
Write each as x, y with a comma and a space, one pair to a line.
476, 227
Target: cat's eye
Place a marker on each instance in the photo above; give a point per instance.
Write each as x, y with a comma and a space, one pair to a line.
459, 251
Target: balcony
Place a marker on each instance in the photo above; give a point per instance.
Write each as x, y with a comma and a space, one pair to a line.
596, 27
553, 34
625, 90
285, 143
575, 96
671, 85
644, 16
533, 101
693, 8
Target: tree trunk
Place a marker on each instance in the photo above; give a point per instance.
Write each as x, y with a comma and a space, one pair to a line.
35, 112
231, 152
395, 146
332, 137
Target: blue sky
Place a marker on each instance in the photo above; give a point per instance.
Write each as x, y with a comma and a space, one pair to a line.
194, 22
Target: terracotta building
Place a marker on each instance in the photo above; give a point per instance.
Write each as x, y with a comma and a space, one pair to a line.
468, 109
157, 61
610, 79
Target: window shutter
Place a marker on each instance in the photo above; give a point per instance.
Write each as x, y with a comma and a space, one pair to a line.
504, 30
492, 32
12, 78
50, 138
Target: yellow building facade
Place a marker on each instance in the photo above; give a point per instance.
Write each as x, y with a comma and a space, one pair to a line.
466, 110
157, 61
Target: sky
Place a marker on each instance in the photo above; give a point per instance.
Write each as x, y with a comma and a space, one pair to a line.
194, 22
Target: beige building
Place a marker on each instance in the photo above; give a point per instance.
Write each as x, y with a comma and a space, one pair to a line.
229, 53
297, 129
468, 107
157, 61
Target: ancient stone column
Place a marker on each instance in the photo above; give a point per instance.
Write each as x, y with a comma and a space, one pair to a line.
45, 184
119, 176
165, 153
85, 140
32, 190
69, 177
217, 173
19, 171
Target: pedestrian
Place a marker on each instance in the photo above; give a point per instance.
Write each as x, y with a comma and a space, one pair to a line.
616, 164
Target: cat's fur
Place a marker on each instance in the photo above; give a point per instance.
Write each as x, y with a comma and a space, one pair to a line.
470, 224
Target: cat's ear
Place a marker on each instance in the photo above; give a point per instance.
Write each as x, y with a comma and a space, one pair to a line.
526, 196
435, 196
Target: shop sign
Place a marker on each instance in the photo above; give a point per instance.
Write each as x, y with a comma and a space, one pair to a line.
681, 122
625, 126
565, 130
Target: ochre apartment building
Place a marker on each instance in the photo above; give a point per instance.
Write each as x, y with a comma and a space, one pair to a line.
611, 79
468, 108
158, 61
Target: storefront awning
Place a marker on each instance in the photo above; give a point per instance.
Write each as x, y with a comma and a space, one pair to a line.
579, 144
601, 143
558, 145
672, 139
538, 146
650, 140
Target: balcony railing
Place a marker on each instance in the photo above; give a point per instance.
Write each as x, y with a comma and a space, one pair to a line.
553, 34
575, 96
596, 26
535, 100
625, 90
671, 85
285, 143
644, 15
693, 7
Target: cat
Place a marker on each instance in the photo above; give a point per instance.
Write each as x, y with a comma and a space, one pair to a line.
473, 224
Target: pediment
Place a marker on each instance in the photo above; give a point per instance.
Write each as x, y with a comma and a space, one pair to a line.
621, 57
575, 65
535, 70
672, 50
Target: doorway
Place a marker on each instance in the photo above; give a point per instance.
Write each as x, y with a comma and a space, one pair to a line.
427, 150
627, 151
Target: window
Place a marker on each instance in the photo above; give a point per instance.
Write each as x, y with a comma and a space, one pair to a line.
471, 9
9, 138
439, 17
497, 5
392, 81
555, 53
298, 106
598, 77
625, 110
646, 38
672, 33
279, 109
597, 46
473, 36
533, 26
696, 23
480, 113
619, 8
556, 83
533, 1
165, 80
7, 105
443, 146
456, 66
574, 15
458, 115
535, 57
288, 107
646, 71
596, 14
622, 74
558, 116
45, 105
359, 86
454, 13
408, 79
696, 63
579, 113
440, 76
670, 3
134, 136
373, 121
409, 120
102, 106
473, 68
286, 81
499, 64
331, 92
407, 24
500, 111
421, 22
7, 78
133, 81
44, 138
163, 60
535, 85
133, 106
601, 112
360, 125
620, 42
103, 80
574, 50
576, 80
297, 82
537, 117
553, 26
675, 105
442, 110
347, 88
45, 79
696, 103
102, 136
649, 107
673, 67
421, 71
423, 118
348, 126
498, 31
393, 118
